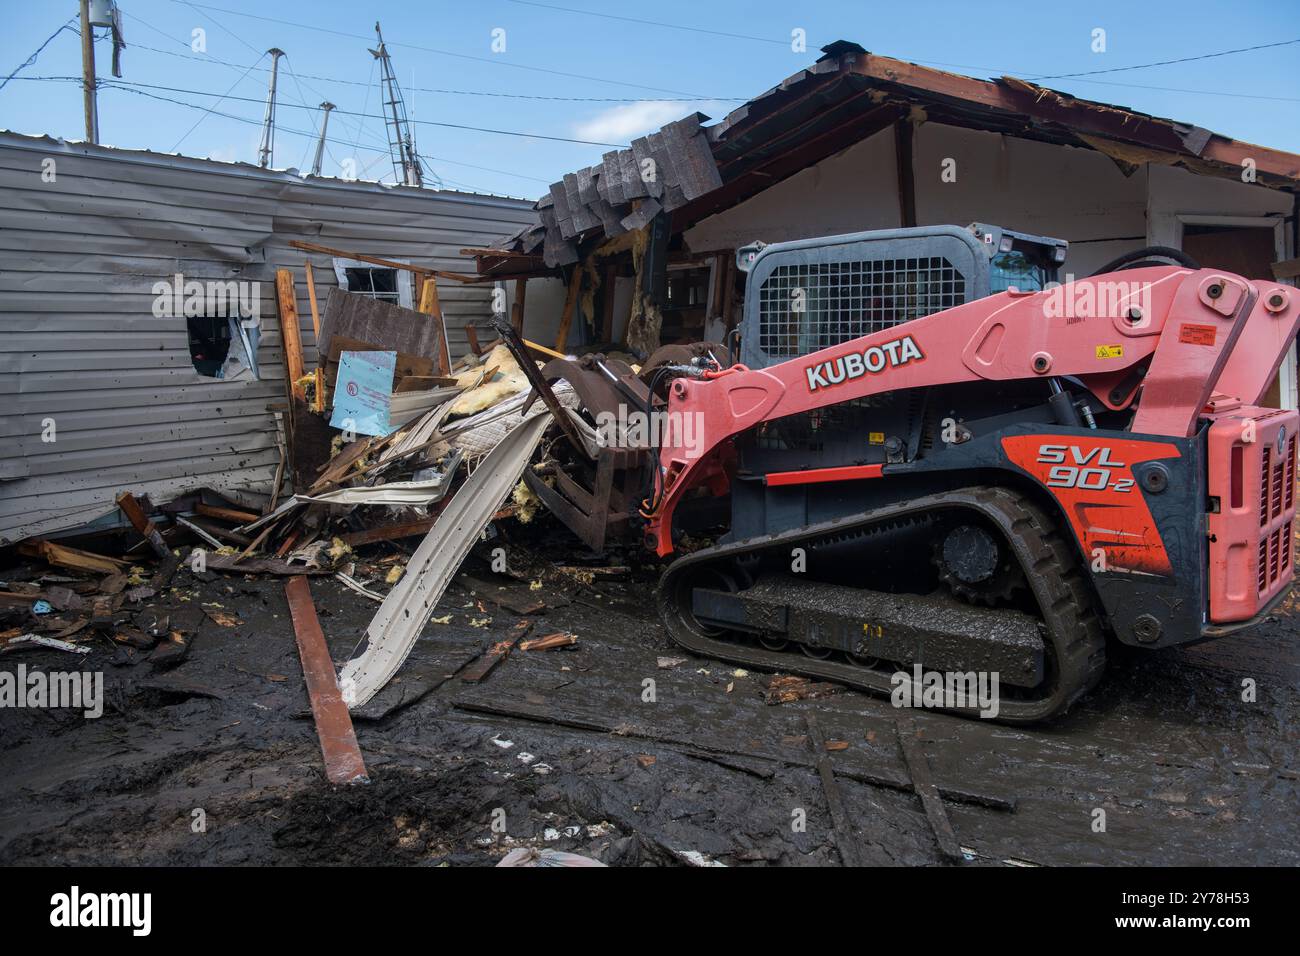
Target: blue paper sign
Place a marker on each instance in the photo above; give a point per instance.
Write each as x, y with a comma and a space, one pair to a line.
363, 392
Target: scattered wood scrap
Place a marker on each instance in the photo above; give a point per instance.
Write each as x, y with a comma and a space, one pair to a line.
786, 689
65, 557
549, 642
847, 842
134, 512
478, 671
338, 741
918, 766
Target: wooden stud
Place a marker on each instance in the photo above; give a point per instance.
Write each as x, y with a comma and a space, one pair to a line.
904, 133
517, 310
430, 306
570, 306
290, 332
311, 297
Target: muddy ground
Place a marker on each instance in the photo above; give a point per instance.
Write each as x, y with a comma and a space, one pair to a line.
1186, 772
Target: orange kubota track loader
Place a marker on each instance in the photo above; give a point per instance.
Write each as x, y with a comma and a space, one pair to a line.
929, 475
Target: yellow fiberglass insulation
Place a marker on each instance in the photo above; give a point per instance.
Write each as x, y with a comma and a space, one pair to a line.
508, 380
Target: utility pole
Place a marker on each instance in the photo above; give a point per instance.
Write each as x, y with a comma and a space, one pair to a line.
88, 74
320, 143
401, 144
267, 148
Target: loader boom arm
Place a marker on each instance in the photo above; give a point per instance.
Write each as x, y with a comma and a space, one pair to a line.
1160, 340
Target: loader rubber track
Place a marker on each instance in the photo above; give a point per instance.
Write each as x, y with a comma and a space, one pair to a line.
1073, 633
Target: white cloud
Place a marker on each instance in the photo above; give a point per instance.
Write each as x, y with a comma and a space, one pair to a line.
619, 124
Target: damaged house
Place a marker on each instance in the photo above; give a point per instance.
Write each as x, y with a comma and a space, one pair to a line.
646, 239
124, 364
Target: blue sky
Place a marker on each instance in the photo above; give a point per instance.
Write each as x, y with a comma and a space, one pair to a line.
576, 75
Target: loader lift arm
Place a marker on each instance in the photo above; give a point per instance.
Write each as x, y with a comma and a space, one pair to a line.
1197, 333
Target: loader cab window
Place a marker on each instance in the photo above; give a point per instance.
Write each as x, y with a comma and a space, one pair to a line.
1017, 270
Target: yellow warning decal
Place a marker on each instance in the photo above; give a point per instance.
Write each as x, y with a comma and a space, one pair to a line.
876, 438
1110, 351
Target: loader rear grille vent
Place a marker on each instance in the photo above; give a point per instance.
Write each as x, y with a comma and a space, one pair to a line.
1274, 556
1276, 483
811, 306
1290, 472
1265, 473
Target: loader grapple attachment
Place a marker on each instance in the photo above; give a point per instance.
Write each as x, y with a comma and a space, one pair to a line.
1252, 474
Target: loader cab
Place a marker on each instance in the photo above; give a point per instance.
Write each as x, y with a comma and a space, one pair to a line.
810, 294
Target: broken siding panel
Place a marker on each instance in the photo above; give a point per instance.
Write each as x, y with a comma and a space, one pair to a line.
80, 344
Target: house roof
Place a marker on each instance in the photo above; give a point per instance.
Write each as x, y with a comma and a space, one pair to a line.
846, 96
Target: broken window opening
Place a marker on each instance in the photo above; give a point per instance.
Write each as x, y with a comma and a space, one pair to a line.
375, 282
223, 346
209, 343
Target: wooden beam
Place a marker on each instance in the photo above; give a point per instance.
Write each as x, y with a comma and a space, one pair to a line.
389, 532
517, 310
570, 306
728, 288
66, 557
430, 306
499, 253
380, 261
311, 297
904, 136
918, 767
338, 741
290, 332
846, 840
315, 324
543, 349
359, 257
225, 514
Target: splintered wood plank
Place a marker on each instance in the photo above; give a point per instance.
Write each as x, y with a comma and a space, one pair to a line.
338, 741
431, 307
134, 512
918, 766
479, 670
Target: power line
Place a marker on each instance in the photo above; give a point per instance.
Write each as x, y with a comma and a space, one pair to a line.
249, 99
1185, 59
495, 61
209, 59
113, 84
454, 92
39, 50
223, 96
715, 99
